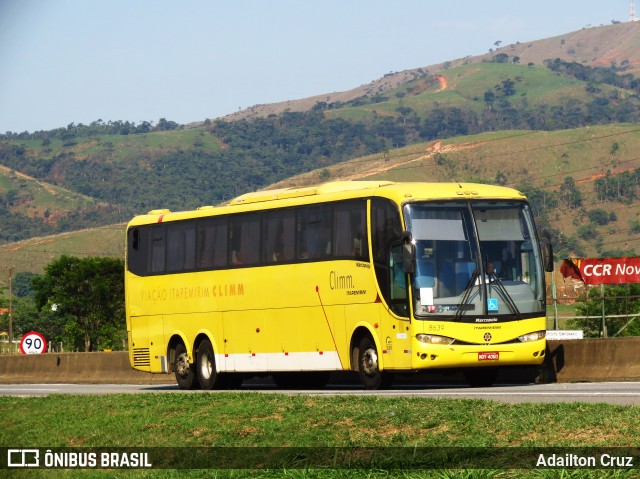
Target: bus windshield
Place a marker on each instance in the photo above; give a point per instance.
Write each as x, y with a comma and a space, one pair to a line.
475, 260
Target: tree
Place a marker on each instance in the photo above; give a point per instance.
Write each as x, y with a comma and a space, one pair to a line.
501, 178
89, 293
23, 284
619, 300
570, 194
599, 216
508, 87
501, 58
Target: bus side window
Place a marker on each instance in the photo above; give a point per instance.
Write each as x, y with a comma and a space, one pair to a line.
212, 243
342, 237
157, 250
245, 239
349, 230
138, 251
314, 232
181, 247
279, 236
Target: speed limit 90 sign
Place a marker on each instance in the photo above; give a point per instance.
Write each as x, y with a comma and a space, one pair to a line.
33, 343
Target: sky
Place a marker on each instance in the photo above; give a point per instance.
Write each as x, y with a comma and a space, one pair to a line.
75, 61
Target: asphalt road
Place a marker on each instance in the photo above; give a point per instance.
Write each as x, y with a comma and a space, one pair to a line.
627, 393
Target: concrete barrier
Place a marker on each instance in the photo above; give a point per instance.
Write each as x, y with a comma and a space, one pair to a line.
592, 360
587, 360
104, 367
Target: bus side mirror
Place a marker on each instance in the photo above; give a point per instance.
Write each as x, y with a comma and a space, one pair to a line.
547, 251
408, 253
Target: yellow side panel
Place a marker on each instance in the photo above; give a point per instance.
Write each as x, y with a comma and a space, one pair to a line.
245, 340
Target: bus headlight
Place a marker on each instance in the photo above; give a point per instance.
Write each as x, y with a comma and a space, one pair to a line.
525, 338
434, 339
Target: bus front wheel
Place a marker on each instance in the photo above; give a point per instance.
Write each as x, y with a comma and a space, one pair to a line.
369, 366
185, 375
206, 365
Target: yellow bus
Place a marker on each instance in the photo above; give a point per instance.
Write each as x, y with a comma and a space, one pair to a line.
374, 277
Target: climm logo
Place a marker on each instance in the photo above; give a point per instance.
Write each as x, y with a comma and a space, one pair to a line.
339, 281
231, 289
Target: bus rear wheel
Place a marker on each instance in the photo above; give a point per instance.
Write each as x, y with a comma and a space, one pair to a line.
206, 365
185, 375
369, 366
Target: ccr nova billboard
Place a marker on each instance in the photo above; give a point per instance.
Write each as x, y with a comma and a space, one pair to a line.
602, 270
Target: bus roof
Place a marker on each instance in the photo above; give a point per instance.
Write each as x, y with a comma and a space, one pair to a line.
401, 192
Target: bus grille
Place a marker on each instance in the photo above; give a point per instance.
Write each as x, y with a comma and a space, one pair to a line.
141, 357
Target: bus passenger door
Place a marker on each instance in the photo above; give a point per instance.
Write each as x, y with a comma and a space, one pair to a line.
399, 292
395, 335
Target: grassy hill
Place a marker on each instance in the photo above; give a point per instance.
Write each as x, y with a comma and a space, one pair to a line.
464, 87
119, 148
34, 254
33, 198
601, 46
31, 207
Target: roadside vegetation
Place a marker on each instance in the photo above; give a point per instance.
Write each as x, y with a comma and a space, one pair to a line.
465, 433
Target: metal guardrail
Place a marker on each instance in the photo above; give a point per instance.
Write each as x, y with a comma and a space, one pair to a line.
600, 317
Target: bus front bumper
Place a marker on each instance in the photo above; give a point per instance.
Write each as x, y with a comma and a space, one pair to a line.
435, 356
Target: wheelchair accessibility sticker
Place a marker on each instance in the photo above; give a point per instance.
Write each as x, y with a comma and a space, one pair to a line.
492, 305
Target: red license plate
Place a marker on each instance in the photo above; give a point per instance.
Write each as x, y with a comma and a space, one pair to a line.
489, 356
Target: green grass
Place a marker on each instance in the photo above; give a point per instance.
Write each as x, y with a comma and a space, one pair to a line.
319, 424
537, 84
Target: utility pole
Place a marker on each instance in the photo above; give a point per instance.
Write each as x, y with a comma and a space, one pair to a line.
11, 310
632, 13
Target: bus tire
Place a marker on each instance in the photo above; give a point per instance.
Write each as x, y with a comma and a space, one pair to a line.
206, 365
185, 374
369, 366
481, 377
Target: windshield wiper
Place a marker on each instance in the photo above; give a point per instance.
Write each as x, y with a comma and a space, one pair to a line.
504, 294
466, 295
492, 280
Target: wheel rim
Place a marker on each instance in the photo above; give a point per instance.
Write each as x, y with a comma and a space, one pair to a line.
370, 362
182, 365
206, 367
